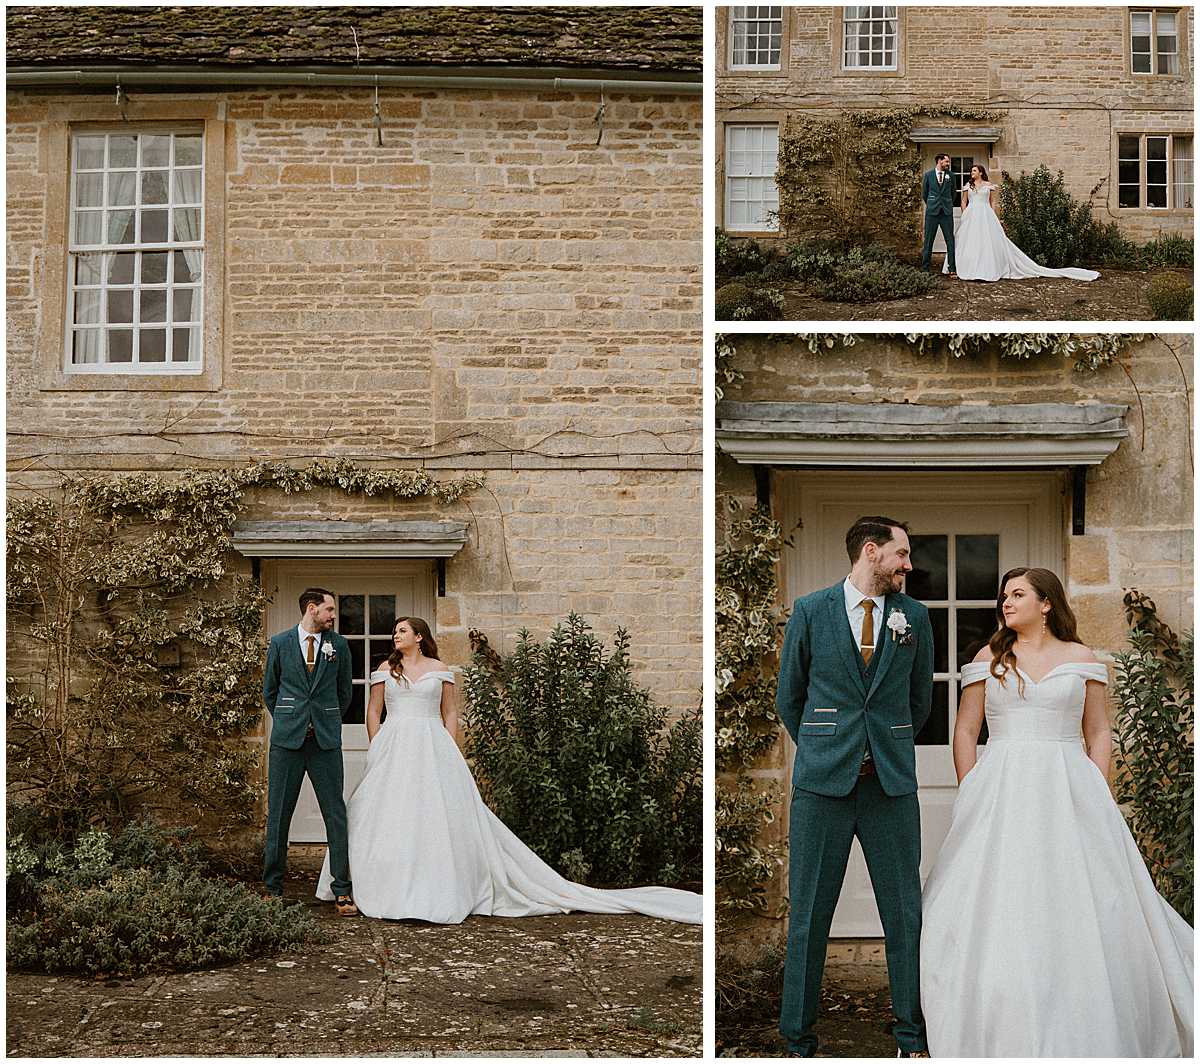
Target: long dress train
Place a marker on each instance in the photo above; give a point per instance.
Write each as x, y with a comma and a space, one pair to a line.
983, 252
423, 845
1042, 932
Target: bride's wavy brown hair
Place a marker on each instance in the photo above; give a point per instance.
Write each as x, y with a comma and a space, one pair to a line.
428, 644
982, 170
1060, 620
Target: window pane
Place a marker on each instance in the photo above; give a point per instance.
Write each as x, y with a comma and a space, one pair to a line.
1128, 196
381, 650
152, 345
382, 614
1128, 173
154, 186
350, 615
88, 268
154, 227
120, 227
154, 267
120, 306
182, 342
184, 273
120, 345
120, 267
187, 224
181, 309
87, 346
187, 150
1156, 147
977, 566
939, 617
89, 190
358, 657
974, 629
156, 150
1140, 22
122, 152
937, 730
356, 714
122, 187
1182, 171
929, 578
154, 304
88, 227
1141, 60
88, 305
89, 153
1156, 195
187, 186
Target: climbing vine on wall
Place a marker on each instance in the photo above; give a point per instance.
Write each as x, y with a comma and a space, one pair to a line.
856, 176
134, 655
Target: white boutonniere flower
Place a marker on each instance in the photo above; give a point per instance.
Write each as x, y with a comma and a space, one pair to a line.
328, 652
899, 627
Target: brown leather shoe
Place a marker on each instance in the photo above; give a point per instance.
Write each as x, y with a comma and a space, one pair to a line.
344, 905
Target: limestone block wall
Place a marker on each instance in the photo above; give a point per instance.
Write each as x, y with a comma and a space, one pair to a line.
1139, 527
488, 291
1060, 74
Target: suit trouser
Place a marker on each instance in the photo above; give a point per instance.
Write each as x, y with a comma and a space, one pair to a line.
285, 775
820, 834
934, 222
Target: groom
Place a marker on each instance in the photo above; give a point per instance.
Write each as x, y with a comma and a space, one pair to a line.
855, 686
307, 687
938, 197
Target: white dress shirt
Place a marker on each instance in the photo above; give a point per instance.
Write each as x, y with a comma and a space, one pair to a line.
305, 636
856, 614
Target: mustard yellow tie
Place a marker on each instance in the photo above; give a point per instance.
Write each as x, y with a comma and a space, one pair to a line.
868, 637
310, 659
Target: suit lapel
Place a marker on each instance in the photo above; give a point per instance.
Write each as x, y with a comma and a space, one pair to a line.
316, 673
297, 653
889, 644
843, 637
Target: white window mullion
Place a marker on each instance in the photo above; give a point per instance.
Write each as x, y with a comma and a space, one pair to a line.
751, 196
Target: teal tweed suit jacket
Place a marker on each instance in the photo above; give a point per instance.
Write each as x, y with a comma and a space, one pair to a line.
295, 699
831, 709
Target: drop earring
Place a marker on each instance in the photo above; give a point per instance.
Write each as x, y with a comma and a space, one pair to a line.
1043, 624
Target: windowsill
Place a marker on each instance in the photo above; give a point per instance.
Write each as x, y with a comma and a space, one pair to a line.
869, 72
146, 370
771, 70
124, 380
752, 232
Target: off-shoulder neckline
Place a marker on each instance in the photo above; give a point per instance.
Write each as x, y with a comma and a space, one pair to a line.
443, 673
1046, 675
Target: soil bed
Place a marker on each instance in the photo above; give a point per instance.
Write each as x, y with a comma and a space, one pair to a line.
1116, 295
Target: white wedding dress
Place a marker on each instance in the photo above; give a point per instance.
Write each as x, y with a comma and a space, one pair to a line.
982, 251
1042, 933
424, 846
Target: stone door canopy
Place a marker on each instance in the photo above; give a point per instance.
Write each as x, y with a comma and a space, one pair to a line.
349, 539
903, 434
973, 135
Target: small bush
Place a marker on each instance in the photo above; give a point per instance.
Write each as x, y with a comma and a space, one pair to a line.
738, 301
1047, 223
578, 761
142, 901
735, 258
144, 920
861, 281
1170, 297
1168, 251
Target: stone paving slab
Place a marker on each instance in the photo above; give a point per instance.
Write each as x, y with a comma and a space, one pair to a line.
573, 985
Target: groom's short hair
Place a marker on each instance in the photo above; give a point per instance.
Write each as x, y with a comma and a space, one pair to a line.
315, 595
937, 159
877, 530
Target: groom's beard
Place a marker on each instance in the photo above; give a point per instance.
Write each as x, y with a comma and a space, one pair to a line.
888, 583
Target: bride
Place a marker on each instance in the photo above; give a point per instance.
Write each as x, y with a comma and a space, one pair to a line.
983, 250
1042, 932
423, 845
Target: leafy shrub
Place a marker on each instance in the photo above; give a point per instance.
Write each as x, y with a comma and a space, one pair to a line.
1153, 732
1170, 250
1170, 297
1046, 222
738, 301
575, 758
132, 904
861, 281
736, 258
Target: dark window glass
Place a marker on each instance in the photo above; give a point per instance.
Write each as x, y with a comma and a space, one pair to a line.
358, 656
381, 650
975, 628
937, 729
977, 566
350, 615
940, 619
928, 579
383, 613
356, 714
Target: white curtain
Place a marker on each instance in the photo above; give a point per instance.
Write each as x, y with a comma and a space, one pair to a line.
1182, 175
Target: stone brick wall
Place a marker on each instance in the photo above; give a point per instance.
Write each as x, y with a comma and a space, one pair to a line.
1061, 74
1139, 528
489, 290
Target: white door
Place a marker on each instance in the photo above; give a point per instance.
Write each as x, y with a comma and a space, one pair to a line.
370, 596
962, 158
966, 531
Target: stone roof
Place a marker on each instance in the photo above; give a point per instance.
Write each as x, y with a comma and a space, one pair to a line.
629, 38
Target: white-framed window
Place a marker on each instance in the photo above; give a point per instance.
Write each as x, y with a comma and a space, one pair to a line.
1154, 171
869, 38
756, 38
751, 197
1154, 42
136, 251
